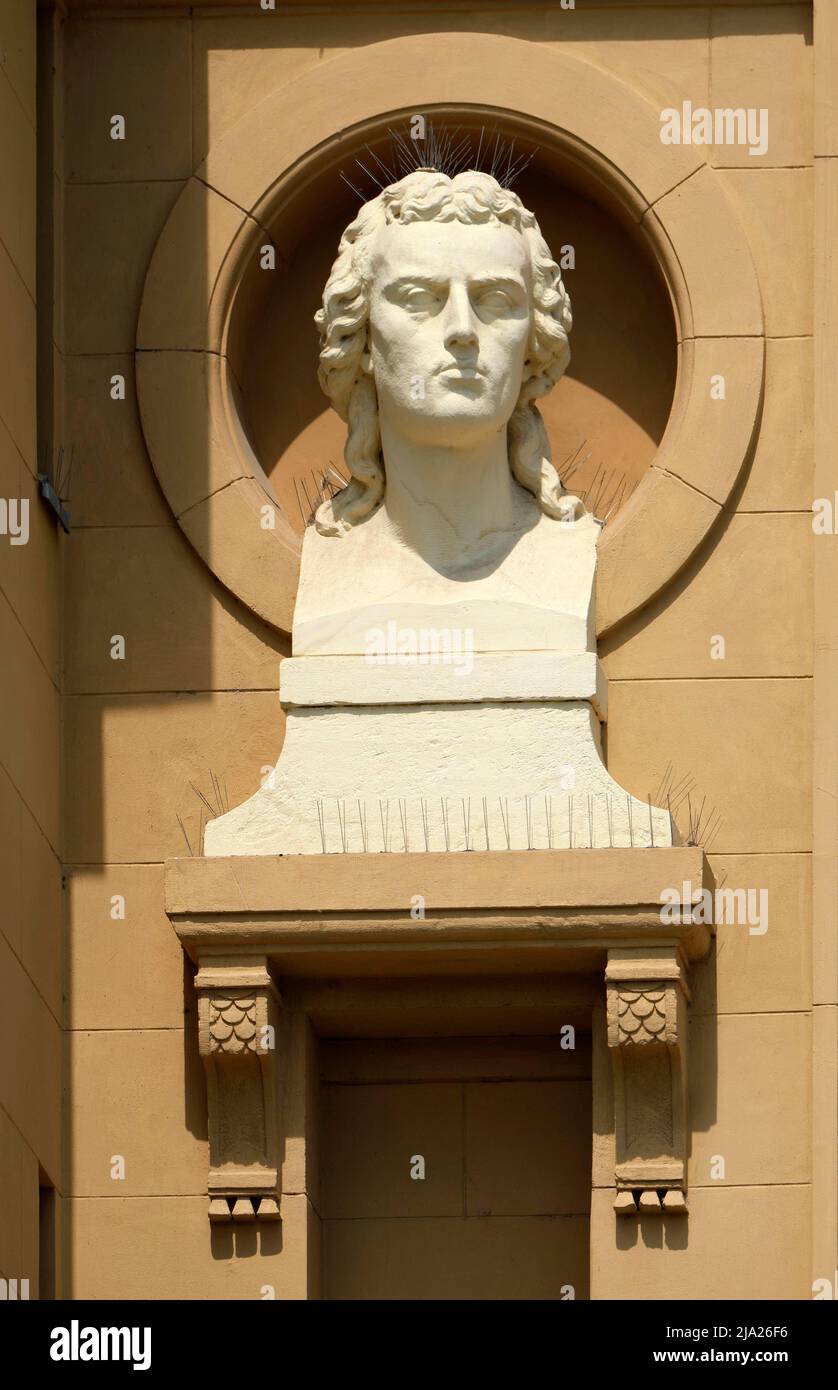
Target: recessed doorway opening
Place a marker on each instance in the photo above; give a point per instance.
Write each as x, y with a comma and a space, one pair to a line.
456, 1167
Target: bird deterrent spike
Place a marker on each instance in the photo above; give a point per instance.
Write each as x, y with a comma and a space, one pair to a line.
388, 173
341, 823
479, 147
663, 785
369, 175
299, 503
338, 478
311, 506
504, 815
356, 191
711, 837
425, 831
588, 493
573, 463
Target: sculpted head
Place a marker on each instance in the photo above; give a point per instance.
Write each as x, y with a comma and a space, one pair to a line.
445, 316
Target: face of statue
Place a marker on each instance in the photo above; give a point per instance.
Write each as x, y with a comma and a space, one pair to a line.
449, 328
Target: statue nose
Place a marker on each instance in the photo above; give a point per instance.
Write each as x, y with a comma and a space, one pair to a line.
460, 330
462, 336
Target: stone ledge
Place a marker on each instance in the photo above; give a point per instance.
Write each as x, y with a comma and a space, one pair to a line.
315, 913
492, 676
476, 879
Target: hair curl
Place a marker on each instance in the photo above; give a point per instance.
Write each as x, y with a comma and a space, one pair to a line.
428, 196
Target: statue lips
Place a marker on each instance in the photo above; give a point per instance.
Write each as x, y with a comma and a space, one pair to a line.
455, 374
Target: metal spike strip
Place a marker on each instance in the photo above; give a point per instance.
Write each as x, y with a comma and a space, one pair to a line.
449, 149
704, 822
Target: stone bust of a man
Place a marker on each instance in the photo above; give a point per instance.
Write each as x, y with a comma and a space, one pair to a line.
444, 320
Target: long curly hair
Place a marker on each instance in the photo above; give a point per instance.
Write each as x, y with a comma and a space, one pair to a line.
429, 196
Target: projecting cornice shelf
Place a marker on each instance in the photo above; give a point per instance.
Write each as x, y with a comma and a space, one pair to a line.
311, 914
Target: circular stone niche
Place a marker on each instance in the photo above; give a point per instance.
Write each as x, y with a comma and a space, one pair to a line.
605, 418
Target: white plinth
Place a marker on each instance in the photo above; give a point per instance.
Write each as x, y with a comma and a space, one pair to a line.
446, 776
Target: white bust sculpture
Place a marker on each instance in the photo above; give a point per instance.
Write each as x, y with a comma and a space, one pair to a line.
444, 319
444, 691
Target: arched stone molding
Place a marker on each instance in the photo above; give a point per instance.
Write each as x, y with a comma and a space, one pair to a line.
606, 129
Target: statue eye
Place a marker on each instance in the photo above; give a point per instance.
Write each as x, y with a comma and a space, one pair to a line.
419, 297
495, 299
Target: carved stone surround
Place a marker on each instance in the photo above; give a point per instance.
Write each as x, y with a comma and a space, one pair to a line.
246, 922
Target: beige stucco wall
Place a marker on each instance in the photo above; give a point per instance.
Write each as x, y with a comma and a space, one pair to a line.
31, 935
197, 690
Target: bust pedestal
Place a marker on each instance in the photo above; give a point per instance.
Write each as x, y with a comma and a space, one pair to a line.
466, 718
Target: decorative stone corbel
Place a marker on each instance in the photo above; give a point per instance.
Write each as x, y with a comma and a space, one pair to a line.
647, 998
238, 1017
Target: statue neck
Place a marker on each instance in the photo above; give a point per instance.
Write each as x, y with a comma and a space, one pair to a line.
444, 502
